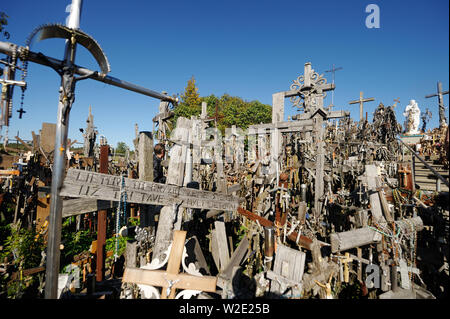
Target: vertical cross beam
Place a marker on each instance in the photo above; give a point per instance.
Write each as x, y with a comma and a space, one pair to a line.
440, 94
333, 71
361, 101
101, 220
66, 99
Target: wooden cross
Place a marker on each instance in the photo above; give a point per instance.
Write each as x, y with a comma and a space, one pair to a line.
345, 261
21, 111
404, 171
216, 116
440, 94
171, 280
397, 100
361, 101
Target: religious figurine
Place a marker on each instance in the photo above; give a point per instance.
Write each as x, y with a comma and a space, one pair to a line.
412, 114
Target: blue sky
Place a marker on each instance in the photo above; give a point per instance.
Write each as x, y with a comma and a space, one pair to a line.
249, 49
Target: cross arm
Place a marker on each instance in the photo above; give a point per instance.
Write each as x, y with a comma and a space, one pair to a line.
160, 278
8, 49
324, 88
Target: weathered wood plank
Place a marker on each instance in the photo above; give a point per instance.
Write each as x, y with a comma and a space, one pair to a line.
375, 205
353, 238
289, 264
222, 243
160, 278
78, 206
80, 183
236, 259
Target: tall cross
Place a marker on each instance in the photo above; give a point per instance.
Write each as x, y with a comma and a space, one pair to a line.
333, 71
440, 94
361, 101
171, 279
67, 69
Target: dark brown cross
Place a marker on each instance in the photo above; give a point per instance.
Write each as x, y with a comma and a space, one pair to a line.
216, 116
21, 111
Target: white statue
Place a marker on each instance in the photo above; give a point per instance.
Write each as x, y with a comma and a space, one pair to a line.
412, 114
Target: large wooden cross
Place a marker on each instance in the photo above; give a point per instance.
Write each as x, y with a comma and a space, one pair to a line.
440, 94
361, 101
170, 280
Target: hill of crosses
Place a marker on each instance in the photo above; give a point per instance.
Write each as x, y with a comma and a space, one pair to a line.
220, 198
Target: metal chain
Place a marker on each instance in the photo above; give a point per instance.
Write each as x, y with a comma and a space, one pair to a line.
24, 58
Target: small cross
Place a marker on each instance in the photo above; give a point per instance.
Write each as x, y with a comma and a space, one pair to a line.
397, 100
21, 111
345, 261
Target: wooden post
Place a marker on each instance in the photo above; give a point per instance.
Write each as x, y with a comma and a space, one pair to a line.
101, 219
146, 156
175, 176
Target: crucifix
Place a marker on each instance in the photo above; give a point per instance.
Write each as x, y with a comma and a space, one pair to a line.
171, 279
361, 101
333, 71
67, 71
440, 94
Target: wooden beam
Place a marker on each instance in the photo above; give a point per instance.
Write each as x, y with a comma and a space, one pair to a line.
78, 206
303, 240
80, 183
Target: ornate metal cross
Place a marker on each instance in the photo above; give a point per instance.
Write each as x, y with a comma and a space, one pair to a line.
309, 88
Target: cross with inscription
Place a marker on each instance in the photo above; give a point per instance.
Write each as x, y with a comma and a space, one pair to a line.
361, 101
170, 280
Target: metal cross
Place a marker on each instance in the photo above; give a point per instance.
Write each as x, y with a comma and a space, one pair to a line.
21, 111
361, 101
67, 71
333, 71
440, 94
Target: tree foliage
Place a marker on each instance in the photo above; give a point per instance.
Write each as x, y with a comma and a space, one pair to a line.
228, 110
190, 104
121, 148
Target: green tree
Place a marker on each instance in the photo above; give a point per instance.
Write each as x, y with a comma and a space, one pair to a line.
190, 103
121, 148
